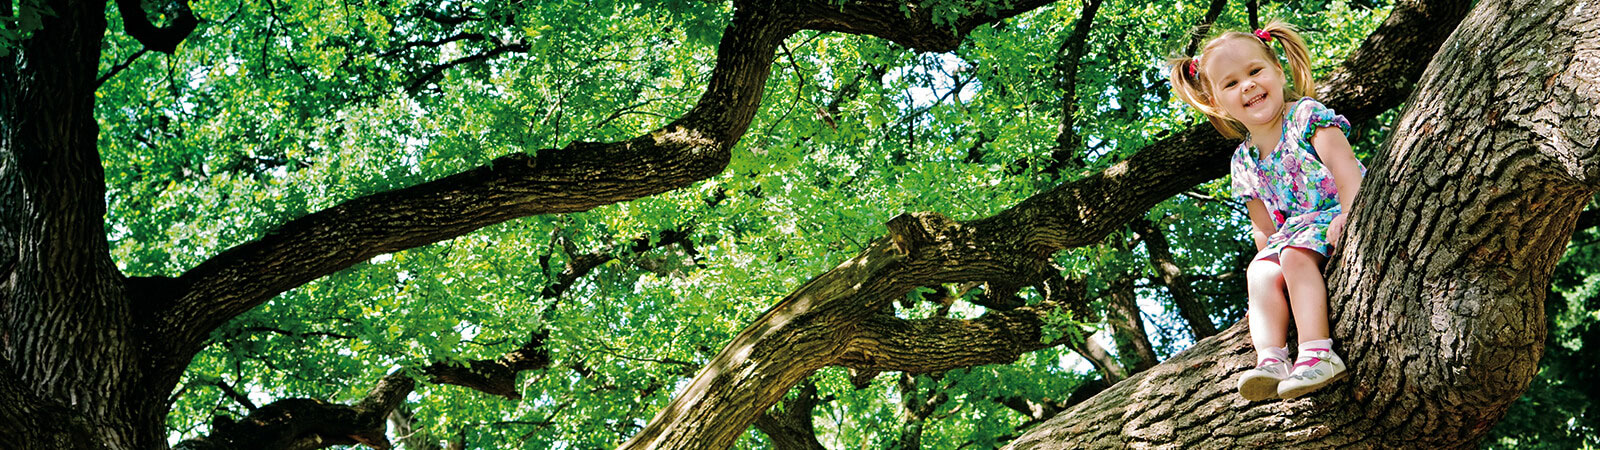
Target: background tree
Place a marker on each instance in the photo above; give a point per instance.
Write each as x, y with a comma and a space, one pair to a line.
490, 225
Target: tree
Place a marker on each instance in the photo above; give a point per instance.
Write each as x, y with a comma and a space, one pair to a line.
100, 339
1478, 254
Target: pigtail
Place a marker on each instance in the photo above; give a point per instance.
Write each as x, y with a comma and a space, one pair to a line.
1189, 83
1294, 49
1184, 74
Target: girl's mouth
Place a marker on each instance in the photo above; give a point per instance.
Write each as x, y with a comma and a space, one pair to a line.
1255, 100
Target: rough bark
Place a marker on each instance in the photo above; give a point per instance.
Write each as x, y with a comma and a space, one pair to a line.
306, 424
790, 427
1438, 295
577, 178
834, 318
68, 353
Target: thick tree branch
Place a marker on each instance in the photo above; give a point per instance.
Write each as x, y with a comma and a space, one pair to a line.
494, 376
299, 423
304, 424
1127, 326
1091, 349
887, 343
165, 40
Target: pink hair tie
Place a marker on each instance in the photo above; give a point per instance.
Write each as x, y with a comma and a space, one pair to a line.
1263, 35
1194, 68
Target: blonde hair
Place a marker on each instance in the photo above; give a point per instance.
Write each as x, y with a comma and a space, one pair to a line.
1194, 90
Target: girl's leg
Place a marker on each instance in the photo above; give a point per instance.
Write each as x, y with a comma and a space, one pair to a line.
1308, 292
1269, 323
1269, 310
1316, 365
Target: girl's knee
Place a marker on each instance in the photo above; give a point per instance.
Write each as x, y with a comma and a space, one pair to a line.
1301, 264
1263, 273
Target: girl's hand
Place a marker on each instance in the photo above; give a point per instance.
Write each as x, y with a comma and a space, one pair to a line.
1335, 227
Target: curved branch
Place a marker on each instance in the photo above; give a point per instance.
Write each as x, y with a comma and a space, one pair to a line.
790, 427
494, 376
582, 176
301, 423
885, 343
120, 67
165, 40
305, 424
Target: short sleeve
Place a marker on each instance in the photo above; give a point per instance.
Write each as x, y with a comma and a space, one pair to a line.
1244, 175
1315, 115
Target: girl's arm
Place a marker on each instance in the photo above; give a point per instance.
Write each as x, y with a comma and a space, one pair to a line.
1334, 151
1260, 221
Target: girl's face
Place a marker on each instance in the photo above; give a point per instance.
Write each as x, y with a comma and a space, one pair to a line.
1246, 82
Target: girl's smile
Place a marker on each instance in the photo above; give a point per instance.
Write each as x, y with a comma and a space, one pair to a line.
1247, 83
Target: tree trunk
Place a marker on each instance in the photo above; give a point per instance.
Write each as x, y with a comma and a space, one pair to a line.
1438, 296
71, 373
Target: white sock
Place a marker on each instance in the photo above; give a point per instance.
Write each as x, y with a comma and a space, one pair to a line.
1320, 343
1279, 353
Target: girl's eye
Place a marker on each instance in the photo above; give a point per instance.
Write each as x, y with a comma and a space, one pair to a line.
1255, 71
1230, 84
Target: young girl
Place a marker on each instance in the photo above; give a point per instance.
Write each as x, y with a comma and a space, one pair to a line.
1297, 174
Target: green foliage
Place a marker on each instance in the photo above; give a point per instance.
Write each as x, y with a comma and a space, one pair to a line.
276, 109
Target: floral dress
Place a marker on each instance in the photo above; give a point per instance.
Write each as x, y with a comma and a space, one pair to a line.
1297, 189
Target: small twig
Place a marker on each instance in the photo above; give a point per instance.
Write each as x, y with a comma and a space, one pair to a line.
1254, 22
233, 394
437, 43
1204, 28
297, 334
119, 67
799, 88
438, 69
